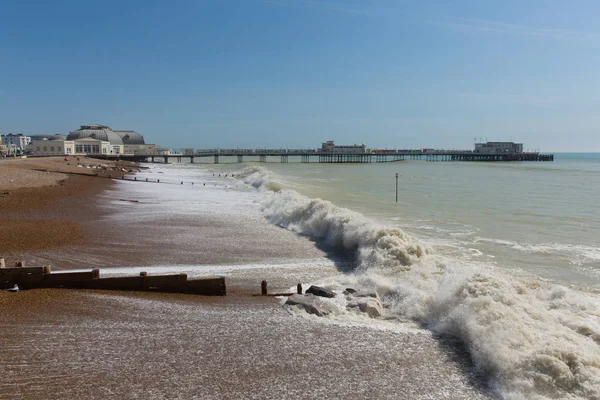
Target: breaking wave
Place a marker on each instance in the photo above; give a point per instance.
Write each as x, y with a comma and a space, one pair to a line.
530, 338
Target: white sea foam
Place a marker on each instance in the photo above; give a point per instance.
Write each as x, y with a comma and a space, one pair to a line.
576, 254
532, 339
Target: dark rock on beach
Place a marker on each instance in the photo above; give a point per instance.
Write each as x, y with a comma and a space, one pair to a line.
320, 291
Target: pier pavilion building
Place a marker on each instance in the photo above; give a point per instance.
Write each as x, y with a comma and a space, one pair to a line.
499, 148
93, 140
330, 147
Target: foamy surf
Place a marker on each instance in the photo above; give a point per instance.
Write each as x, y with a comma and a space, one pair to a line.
532, 339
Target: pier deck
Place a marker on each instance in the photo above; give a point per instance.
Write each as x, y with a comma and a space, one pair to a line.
286, 156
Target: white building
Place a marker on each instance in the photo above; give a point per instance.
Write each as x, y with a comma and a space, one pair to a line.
19, 141
331, 147
3, 148
499, 148
93, 140
52, 147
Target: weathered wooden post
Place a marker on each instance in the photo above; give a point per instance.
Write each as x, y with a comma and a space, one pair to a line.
146, 179
263, 288
158, 181
396, 187
96, 273
135, 178
47, 269
2, 263
143, 280
299, 289
20, 264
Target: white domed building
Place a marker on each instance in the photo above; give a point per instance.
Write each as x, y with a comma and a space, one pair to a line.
94, 140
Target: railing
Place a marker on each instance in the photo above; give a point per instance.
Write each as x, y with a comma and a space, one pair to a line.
278, 152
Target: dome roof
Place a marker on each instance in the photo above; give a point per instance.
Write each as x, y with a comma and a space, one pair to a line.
105, 133
131, 137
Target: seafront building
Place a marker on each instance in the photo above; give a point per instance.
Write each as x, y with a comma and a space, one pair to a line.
92, 140
3, 147
330, 147
499, 148
18, 141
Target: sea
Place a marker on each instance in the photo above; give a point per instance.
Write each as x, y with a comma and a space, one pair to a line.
502, 257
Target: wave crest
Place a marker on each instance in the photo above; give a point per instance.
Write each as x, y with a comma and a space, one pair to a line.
373, 245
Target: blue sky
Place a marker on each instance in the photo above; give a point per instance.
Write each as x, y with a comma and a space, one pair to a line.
293, 73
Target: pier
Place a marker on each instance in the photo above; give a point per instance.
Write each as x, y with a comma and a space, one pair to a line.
315, 156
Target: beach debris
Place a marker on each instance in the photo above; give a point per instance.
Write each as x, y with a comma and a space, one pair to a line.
320, 291
312, 304
14, 289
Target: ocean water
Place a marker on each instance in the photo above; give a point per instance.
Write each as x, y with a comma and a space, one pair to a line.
503, 257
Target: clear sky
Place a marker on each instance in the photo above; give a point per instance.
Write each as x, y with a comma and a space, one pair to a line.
294, 73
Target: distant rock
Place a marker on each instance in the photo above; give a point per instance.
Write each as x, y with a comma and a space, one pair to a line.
311, 304
320, 291
350, 291
369, 305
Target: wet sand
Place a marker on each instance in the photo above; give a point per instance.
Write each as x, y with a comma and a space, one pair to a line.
86, 344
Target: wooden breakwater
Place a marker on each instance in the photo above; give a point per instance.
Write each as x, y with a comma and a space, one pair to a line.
25, 278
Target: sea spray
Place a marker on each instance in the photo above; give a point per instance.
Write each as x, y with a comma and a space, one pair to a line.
532, 339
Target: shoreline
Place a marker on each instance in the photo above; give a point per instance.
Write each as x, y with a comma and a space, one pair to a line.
136, 344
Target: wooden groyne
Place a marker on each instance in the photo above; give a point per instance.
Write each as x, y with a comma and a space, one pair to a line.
24, 278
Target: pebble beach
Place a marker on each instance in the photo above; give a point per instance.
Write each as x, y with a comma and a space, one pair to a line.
95, 344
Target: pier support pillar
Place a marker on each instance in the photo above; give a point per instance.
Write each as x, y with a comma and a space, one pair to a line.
216, 158
240, 159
